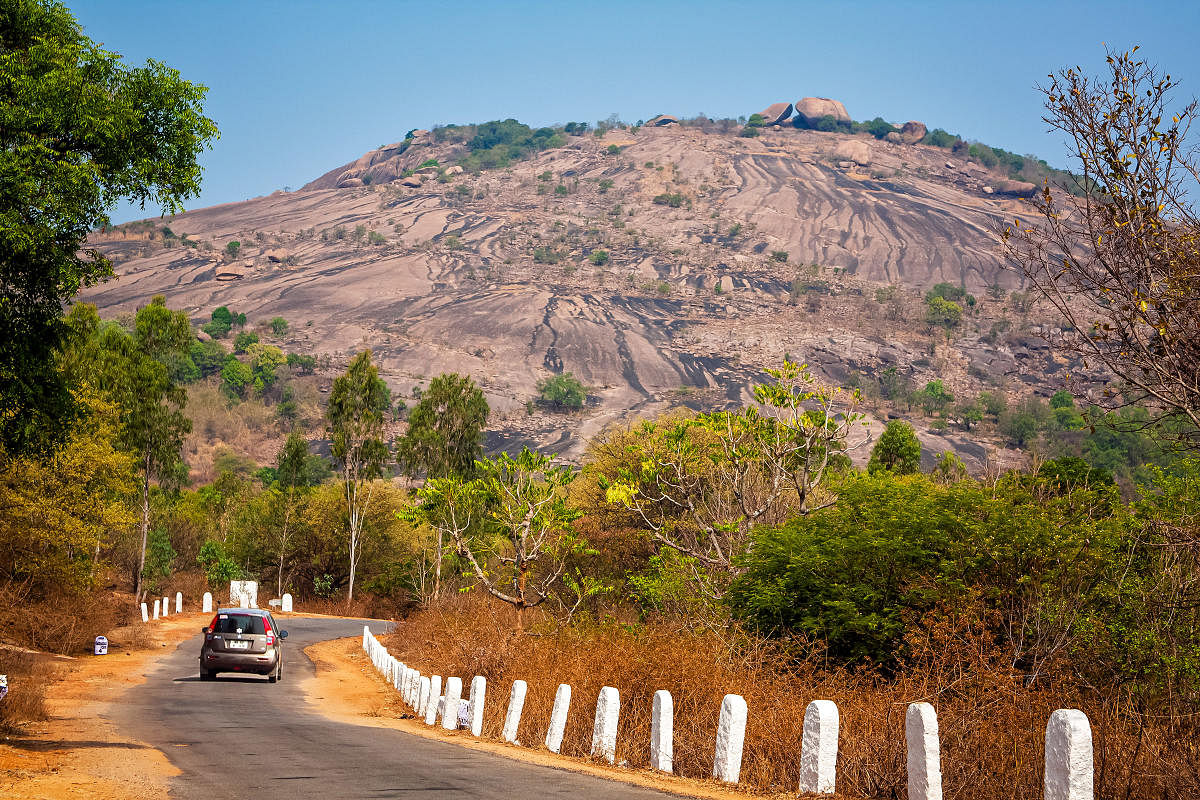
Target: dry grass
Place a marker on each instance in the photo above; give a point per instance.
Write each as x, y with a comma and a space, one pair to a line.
992, 727
28, 674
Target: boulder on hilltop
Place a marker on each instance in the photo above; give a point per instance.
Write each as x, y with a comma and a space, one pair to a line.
776, 113
662, 120
277, 256
814, 108
1016, 188
855, 150
913, 132
894, 137
349, 183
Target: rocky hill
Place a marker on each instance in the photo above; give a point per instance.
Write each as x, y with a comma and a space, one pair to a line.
662, 265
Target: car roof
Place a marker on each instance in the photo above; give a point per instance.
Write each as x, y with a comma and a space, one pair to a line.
260, 612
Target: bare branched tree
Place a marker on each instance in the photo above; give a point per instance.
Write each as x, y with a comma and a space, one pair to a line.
1121, 261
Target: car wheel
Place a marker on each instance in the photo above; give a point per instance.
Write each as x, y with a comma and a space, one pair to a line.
274, 676
207, 675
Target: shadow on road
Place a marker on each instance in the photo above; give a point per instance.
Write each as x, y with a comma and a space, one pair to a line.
42, 745
223, 679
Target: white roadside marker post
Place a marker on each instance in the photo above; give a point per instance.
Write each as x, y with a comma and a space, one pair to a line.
731, 735
478, 690
818, 749
1069, 770
423, 698
604, 729
145, 613
662, 732
558, 718
435, 693
512, 719
179, 602
207, 606
924, 752
453, 696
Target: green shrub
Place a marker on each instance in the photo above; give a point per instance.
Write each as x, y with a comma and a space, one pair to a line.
599, 257
279, 326
779, 255
560, 190
376, 238
898, 450
232, 249
546, 255
942, 312
748, 132
243, 340
562, 392
605, 185
612, 150
755, 121
674, 200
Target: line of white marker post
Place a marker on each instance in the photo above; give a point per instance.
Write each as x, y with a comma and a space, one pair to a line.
1069, 764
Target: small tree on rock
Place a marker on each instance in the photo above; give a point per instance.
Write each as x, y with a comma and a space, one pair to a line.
898, 450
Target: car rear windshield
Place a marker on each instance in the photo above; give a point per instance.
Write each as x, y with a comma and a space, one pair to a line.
239, 623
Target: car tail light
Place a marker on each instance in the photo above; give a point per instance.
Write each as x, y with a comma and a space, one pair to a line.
270, 638
270, 631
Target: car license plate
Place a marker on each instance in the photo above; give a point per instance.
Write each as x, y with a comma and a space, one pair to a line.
236, 645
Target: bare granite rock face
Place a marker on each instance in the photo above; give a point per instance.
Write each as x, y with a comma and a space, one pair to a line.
661, 121
913, 132
814, 108
698, 292
776, 113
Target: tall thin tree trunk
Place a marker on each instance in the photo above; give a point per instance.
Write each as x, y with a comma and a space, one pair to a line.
437, 569
145, 526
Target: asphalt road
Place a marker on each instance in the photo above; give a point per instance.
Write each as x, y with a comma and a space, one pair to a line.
241, 737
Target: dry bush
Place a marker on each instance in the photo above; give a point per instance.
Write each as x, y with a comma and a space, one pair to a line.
66, 623
28, 674
992, 726
248, 428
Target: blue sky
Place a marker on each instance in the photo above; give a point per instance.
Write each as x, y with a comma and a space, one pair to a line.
300, 87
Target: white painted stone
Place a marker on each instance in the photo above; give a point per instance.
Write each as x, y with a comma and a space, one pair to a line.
818, 749
435, 692
512, 719
366, 630
1068, 756
604, 729
414, 689
423, 697
179, 602
558, 718
207, 606
463, 718
731, 735
286, 604
145, 613
453, 695
156, 602
243, 594
478, 690
166, 606
662, 732
924, 753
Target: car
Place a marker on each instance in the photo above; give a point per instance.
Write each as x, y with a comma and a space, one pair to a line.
242, 640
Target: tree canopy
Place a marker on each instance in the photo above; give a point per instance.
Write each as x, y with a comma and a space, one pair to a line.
79, 130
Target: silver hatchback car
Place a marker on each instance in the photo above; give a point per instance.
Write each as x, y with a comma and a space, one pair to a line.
242, 640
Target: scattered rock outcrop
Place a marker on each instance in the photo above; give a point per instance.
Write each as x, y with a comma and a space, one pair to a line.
814, 108
229, 272
349, 183
278, 256
412, 181
776, 113
894, 137
662, 120
913, 132
855, 150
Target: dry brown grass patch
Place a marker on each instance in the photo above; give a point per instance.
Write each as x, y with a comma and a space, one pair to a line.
992, 726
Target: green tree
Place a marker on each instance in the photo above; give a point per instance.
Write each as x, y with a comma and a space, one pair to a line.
897, 451
80, 131
291, 483
131, 369
357, 401
934, 398
279, 326
243, 340
946, 313
232, 249
235, 377
562, 391
445, 429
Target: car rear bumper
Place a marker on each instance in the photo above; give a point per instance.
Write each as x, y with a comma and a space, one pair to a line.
256, 663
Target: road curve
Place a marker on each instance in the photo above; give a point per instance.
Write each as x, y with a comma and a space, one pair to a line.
241, 737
